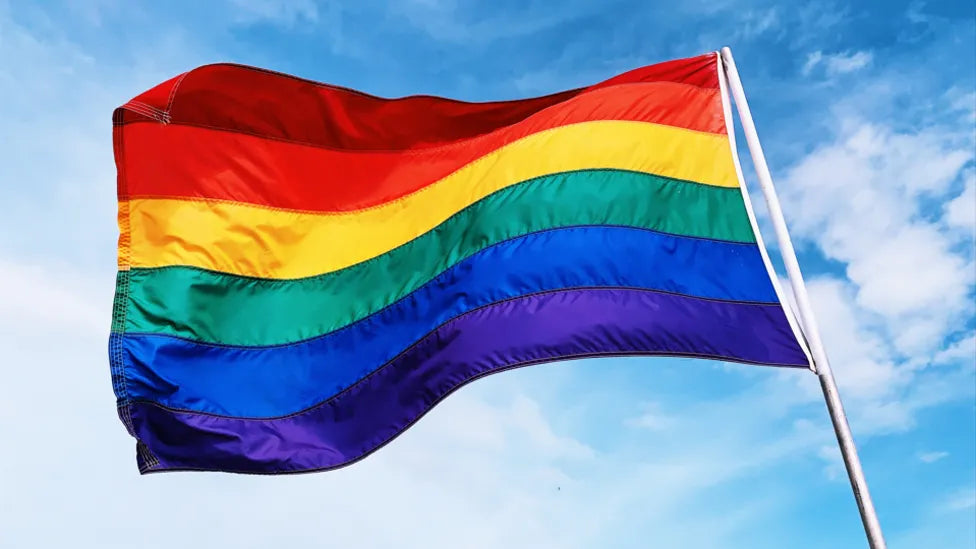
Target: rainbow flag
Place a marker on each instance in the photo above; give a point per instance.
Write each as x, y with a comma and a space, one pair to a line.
305, 270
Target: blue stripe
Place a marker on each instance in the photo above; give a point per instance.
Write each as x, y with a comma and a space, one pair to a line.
276, 381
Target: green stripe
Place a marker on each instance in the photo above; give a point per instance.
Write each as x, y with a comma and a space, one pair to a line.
118, 302
222, 308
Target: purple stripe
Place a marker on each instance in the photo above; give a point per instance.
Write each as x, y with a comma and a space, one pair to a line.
532, 329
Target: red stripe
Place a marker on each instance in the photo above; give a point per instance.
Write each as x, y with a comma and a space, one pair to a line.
268, 104
184, 161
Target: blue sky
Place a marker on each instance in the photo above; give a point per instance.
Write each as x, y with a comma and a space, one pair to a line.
867, 114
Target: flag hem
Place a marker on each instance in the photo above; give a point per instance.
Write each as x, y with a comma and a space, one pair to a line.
773, 277
120, 302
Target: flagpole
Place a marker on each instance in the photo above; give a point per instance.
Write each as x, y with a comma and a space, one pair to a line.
869, 516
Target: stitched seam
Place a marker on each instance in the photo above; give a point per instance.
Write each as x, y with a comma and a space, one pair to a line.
146, 110
144, 458
120, 307
154, 115
172, 94
121, 303
147, 106
115, 349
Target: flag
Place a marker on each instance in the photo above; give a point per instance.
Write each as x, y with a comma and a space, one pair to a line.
305, 270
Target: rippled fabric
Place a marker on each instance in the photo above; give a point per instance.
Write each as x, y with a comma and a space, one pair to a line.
197, 304
528, 330
245, 168
338, 128
173, 372
258, 241
305, 270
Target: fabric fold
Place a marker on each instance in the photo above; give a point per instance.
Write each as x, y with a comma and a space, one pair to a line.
530, 330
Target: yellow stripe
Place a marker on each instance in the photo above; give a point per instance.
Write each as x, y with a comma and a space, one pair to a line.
125, 233
258, 241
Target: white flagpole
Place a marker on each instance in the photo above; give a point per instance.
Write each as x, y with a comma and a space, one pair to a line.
821, 365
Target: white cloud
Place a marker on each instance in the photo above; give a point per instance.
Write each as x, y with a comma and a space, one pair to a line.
843, 63
754, 23
858, 353
962, 499
963, 350
833, 468
651, 418
813, 59
858, 199
960, 212
932, 457
962, 101
882, 392
869, 200
837, 63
